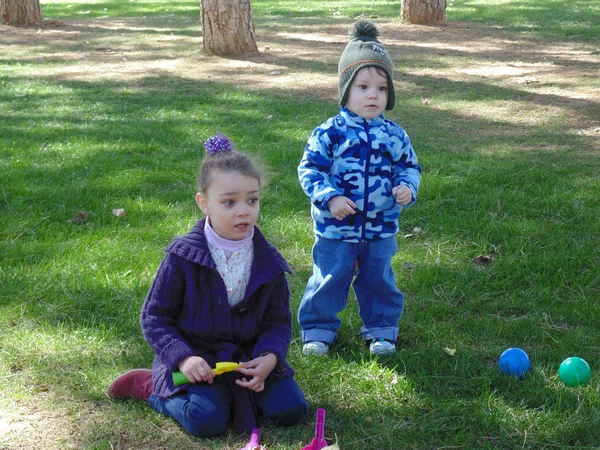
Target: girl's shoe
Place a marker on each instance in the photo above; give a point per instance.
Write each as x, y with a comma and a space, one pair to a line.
315, 348
382, 346
136, 384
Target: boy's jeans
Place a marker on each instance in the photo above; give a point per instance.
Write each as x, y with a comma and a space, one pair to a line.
379, 299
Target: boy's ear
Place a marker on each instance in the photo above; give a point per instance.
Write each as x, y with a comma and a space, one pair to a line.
202, 203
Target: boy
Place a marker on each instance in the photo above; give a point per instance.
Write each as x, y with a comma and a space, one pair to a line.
359, 170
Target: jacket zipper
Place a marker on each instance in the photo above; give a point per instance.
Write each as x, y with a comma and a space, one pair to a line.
367, 167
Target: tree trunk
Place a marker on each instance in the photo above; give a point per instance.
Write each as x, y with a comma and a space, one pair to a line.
424, 11
227, 27
20, 12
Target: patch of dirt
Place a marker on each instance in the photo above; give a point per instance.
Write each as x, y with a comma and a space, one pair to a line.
32, 425
299, 59
557, 79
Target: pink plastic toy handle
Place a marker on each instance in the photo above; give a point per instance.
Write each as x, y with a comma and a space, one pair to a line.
254, 440
320, 427
319, 441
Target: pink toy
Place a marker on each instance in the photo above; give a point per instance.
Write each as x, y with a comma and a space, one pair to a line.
319, 441
254, 443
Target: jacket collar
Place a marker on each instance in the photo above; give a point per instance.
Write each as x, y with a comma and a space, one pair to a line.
193, 247
352, 119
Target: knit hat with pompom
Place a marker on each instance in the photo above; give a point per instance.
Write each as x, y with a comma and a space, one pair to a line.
364, 50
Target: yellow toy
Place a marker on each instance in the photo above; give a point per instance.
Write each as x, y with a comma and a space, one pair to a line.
221, 367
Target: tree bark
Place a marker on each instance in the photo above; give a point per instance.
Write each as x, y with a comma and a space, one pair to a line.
424, 11
20, 12
227, 27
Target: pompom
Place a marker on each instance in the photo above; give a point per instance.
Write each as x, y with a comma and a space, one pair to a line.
217, 143
363, 28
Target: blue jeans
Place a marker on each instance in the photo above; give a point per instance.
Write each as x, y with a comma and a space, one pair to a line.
380, 301
204, 409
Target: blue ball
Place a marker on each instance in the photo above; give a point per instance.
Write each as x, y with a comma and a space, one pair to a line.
514, 362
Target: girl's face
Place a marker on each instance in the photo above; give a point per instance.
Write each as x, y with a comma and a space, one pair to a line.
232, 204
368, 93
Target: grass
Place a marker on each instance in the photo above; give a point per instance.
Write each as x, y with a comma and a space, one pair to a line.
550, 18
110, 111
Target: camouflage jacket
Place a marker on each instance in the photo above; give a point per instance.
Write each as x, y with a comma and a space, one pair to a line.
362, 159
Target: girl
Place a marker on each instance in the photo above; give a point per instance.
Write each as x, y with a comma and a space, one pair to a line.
220, 294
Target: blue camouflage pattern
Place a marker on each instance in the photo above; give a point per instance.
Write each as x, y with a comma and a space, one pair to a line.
362, 159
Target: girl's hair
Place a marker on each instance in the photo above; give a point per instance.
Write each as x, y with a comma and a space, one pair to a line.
220, 156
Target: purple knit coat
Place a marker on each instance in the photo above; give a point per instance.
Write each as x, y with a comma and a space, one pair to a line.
186, 311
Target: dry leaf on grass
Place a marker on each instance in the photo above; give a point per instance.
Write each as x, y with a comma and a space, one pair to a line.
119, 212
527, 80
80, 217
415, 232
484, 260
450, 351
332, 447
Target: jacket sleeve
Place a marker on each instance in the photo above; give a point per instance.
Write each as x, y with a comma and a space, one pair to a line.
275, 333
160, 311
315, 167
406, 169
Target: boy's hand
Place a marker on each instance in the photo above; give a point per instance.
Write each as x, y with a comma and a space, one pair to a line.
403, 194
196, 369
341, 207
258, 369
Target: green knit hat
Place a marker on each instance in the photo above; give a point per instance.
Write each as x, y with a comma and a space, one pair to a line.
364, 50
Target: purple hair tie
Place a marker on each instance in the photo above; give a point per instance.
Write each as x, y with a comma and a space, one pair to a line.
218, 143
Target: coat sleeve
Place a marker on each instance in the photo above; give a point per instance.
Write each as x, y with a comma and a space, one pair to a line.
407, 170
315, 167
160, 311
275, 333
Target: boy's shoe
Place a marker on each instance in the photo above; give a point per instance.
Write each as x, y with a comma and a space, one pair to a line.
315, 348
382, 346
136, 384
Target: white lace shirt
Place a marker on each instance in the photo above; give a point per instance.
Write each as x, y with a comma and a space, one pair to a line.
234, 270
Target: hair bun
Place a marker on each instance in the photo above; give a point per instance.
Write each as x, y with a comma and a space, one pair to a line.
218, 143
363, 28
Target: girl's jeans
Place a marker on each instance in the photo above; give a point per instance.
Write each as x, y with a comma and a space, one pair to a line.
204, 409
379, 299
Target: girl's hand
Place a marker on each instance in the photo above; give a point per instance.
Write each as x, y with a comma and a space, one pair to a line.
341, 207
403, 194
196, 369
258, 369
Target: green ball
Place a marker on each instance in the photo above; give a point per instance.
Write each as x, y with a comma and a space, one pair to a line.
574, 371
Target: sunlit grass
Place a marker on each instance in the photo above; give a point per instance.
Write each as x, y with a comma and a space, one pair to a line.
549, 18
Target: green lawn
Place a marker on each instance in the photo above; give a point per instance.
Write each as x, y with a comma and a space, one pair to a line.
110, 110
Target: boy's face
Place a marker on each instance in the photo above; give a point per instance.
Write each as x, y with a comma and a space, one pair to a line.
368, 93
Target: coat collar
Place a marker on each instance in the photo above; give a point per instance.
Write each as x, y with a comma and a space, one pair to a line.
193, 247
352, 119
